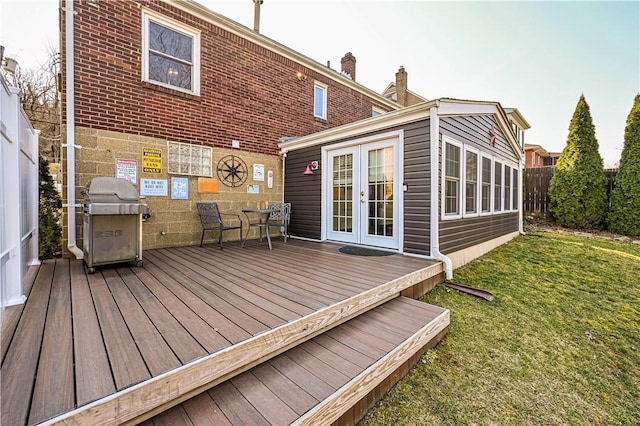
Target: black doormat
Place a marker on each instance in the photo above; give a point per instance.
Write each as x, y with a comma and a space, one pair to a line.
364, 251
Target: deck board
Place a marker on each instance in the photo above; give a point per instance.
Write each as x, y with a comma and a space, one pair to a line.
188, 319
11, 314
90, 353
302, 371
127, 365
183, 344
54, 391
154, 349
21, 360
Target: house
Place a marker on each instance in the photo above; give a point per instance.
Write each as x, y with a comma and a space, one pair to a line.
535, 156
169, 91
159, 92
440, 179
399, 90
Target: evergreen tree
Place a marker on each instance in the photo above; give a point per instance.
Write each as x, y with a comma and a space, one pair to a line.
578, 192
624, 216
49, 229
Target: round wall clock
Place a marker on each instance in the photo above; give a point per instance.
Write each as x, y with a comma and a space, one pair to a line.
232, 170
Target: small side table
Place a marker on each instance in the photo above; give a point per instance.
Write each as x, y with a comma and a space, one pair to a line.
262, 216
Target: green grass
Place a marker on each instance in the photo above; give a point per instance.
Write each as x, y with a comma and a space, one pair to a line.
560, 344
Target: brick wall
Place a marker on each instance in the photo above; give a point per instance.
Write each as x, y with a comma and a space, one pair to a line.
248, 93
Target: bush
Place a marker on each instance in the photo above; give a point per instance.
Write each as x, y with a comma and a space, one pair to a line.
624, 216
49, 229
578, 194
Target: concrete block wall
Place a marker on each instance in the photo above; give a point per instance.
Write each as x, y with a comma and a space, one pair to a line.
173, 222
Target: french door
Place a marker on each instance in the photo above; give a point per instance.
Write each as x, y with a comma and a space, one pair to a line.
362, 194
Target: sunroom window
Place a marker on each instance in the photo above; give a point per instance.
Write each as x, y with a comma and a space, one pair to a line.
171, 55
452, 179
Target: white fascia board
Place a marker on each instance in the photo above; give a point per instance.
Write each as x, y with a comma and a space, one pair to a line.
233, 27
453, 107
389, 119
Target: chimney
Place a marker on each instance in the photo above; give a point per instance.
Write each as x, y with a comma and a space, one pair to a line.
348, 63
256, 15
401, 86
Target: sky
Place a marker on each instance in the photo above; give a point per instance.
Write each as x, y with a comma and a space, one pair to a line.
536, 56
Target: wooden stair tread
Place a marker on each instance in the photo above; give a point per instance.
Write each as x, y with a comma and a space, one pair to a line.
320, 379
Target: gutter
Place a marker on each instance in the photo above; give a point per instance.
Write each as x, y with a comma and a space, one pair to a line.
434, 126
71, 155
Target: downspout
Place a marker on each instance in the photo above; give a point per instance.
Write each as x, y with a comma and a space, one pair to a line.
434, 126
71, 145
520, 207
284, 157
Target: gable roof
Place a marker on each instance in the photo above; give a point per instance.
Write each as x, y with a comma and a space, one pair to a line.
240, 30
390, 93
445, 106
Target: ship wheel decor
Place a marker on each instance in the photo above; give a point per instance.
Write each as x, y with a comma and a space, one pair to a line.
232, 171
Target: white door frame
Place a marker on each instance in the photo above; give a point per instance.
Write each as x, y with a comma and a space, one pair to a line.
396, 138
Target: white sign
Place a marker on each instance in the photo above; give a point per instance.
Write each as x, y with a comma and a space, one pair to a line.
179, 188
253, 189
127, 169
270, 179
258, 172
157, 187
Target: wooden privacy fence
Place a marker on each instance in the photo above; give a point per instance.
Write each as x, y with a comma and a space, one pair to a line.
536, 187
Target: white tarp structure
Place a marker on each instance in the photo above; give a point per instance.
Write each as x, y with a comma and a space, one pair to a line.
18, 196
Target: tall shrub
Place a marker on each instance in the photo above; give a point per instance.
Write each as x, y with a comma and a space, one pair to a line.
578, 194
49, 229
624, 216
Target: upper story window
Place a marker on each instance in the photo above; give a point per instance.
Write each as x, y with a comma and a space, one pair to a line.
320, 100
171, 53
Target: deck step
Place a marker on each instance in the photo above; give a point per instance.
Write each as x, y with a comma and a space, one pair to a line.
326, 379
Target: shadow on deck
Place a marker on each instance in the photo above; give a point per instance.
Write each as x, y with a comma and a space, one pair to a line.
195, 326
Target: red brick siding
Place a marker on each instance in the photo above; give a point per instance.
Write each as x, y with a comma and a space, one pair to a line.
247, 93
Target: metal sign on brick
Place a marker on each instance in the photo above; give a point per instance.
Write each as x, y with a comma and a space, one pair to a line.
151, 160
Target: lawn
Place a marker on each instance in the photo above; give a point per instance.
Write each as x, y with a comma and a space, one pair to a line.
560, 344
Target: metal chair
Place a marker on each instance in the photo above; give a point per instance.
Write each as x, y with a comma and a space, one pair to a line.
280, 216
211, 220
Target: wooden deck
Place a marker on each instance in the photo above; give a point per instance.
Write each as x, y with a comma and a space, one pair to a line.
125, 343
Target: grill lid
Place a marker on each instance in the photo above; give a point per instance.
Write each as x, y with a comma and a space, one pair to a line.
106, 189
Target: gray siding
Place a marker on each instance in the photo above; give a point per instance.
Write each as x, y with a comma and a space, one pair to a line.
474, 130
417, 198
304, 192
464, 233
458, 234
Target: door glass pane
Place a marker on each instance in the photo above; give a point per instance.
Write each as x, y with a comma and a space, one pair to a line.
380, 192
342, 193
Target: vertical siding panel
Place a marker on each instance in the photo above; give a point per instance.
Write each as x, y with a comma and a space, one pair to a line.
304, 192
417, 177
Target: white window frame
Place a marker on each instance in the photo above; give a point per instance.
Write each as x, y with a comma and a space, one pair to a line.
325, 89
506, 193
490, 212
448, 216
466, 150
501, 183
147, 17
515, 189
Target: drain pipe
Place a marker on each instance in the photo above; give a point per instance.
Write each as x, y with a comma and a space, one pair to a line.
434, 126
71, 145
520, 210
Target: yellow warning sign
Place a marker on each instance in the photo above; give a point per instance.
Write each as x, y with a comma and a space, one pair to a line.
151, 160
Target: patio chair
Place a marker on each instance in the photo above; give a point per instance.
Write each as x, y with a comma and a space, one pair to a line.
212, 220
280, 216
